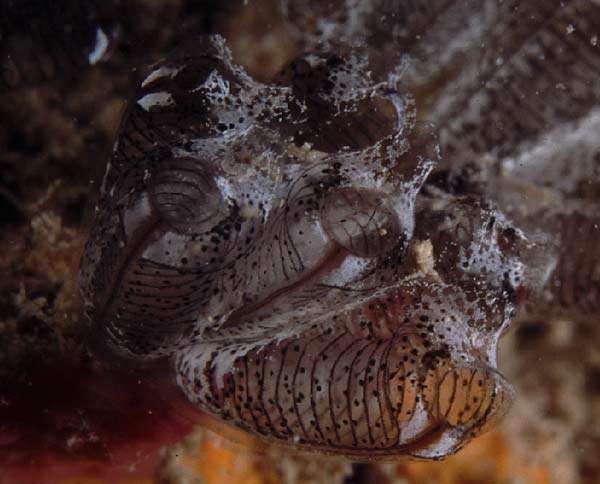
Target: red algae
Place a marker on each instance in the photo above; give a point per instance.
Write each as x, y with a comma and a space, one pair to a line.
62, 421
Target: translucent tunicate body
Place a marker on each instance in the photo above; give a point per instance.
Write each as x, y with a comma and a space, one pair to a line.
263, 239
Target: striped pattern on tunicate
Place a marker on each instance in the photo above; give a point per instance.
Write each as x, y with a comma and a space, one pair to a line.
350, 390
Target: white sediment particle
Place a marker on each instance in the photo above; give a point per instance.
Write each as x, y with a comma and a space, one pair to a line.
423, 251
100, 47
161, 98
